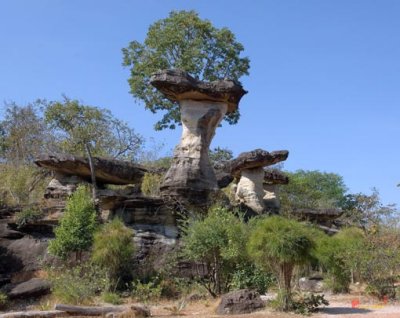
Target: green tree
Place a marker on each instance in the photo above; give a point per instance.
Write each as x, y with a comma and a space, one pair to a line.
183, 41
113, 249
217, 241
77, 226
278, 244
92, 131
219, 155
312, 189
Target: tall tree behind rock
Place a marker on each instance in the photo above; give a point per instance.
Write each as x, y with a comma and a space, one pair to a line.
182, 41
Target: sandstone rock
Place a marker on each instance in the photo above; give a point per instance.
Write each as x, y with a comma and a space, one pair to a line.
108, 171
34, 314
31, 288
248, 166
191, 177
274, 176
239, 302
318, 215
256, 159
312, 284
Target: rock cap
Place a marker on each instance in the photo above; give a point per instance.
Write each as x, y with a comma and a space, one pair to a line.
257, 158
178, 85
273, 176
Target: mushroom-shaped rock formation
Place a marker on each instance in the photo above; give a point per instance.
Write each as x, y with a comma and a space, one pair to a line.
108, 171
203, 105
248, 166
272, 179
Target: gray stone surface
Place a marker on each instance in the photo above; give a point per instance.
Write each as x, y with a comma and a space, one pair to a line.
108, 171
32, 288
203, 105
242, 301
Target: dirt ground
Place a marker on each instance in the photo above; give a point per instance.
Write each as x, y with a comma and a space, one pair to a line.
339, 306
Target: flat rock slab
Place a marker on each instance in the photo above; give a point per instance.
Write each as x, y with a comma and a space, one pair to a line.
242, 301
108, 171
34, 314
177, 85
256, 159
31, 288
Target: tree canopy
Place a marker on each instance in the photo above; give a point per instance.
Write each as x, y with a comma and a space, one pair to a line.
183, 41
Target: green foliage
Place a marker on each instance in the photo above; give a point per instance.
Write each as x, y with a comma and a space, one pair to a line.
339, 255
77, 125
3, 300
28, 215
77, 225
312, 189
220, 155
78, 284
250, 276
308, 303
21, 184
278, 245
146, 292
182, 41
113, 249
218, 241
111, 298
151, 184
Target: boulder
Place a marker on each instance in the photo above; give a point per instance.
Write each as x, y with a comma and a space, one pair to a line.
203, 105
242, 301
311, 284
108, 171
32, 288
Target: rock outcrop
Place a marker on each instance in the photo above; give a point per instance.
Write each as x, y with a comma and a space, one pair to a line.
248, 167
272, 180
203, 105
108, 171
238, 302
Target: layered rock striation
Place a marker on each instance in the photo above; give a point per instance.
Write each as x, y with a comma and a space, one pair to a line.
203, 105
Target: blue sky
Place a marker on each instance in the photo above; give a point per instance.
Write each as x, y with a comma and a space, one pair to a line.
324, 80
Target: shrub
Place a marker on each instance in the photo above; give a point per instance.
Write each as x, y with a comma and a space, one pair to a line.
146, 292
111, 298
278, 245
151, 184
3, 300
308, 303
251, 276
79, 284
28, 215
113, 249
77, 226
217, 241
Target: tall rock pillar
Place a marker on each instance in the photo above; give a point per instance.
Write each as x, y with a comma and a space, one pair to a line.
202, 105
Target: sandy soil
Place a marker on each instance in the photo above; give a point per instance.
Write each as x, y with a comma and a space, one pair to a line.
340, 306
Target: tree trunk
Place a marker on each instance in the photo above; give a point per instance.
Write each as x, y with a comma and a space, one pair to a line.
92, 173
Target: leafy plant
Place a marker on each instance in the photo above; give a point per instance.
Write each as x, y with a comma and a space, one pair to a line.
111, 298
79, 284
151, 184
308, 303
278, 245
77, 226
182, 41
28, 215
3, 300
250, 276
146, 292
113, 249
218, 243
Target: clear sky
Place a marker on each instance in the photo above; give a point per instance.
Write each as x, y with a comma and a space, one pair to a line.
324, 80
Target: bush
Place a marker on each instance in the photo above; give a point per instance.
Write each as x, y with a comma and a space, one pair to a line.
3, 300
217, 241
28, 215
308, 303
252, 277
111, 298
79, 284
77, 226
146, 292
113, 249
151, 184
278, 245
